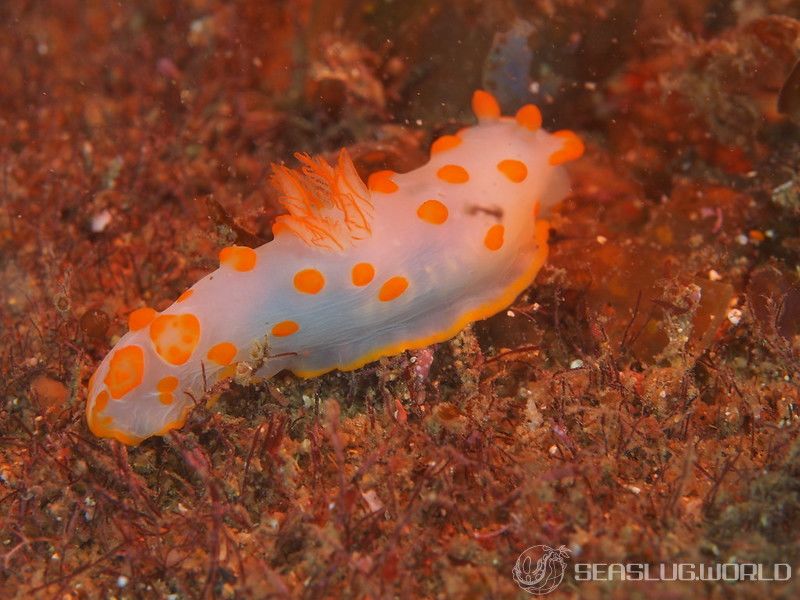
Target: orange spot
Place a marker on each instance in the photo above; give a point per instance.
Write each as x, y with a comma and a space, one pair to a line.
101, 402
392, 288
184, 295
515, 170
381, 181
362, 274
239, 258
453, 174
494, 237
571, 149
529, 117
484, 105
175, 337
446, 142
125, 371
433, 212
140, 318
165, 388
167, 384
309, 281
285, 328
451, 326
757, 235
222, 353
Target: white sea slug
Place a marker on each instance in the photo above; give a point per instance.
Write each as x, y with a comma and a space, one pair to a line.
355, 271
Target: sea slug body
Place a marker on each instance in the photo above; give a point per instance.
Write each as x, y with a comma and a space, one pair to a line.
356, 271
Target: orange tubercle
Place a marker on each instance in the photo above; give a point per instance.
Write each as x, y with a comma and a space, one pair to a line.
184, 295
529, 117
484, 105
238, 258
571, 149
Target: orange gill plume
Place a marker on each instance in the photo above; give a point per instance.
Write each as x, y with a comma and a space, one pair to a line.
329, 207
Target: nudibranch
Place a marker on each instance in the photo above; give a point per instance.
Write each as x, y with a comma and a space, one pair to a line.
355, 271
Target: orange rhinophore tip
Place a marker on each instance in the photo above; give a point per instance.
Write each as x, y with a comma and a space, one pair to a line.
529, 117
571, 149
484, 105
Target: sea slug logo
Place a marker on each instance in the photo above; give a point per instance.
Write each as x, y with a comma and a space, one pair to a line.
540, 569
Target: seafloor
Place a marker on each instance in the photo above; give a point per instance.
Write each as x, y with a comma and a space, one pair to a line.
639, 403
